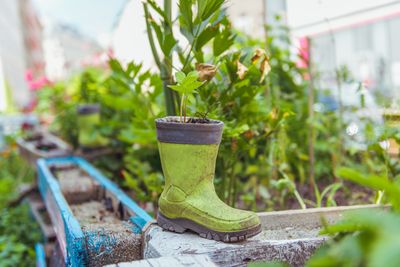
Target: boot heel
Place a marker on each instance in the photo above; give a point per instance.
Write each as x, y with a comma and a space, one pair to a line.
169, 224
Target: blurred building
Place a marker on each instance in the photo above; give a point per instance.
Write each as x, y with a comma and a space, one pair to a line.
360, 34
251, 16
67, 51
20, 50
129, 38
32, 31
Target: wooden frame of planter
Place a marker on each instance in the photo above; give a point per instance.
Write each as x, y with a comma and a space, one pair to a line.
81, 242
39, 213
32, 149
289, 236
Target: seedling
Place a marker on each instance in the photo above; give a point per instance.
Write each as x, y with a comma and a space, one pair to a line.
186, 85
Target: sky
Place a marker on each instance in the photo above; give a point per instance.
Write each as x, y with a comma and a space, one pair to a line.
94, 18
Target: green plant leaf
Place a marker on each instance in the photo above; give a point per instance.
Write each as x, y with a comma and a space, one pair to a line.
185, 18
205, 36
222, 41
186, 83
161, 12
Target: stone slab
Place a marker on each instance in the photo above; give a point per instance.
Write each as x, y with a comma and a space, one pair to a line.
288, 236
181, 261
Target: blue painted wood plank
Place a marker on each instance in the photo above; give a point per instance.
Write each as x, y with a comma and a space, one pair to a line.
40, 255
73, 241
68, 230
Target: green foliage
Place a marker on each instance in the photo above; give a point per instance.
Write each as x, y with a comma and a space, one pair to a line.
130, 100
264, 159
365, 237
200, 23
186, 85
18, 232
18, 235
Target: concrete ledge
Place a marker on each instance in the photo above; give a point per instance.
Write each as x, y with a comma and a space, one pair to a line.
288, 236
181, 261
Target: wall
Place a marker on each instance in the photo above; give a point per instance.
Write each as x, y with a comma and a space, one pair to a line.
12, 52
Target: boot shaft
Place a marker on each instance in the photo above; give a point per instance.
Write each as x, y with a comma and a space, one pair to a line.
186, 165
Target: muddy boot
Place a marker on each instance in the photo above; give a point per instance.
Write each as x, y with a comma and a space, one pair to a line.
188, 153
88, 119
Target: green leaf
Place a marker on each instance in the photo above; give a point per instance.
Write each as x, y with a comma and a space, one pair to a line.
166, 41
223, 41
185, 18
161, 12
186, 83
205, 36
206, 8
180, 76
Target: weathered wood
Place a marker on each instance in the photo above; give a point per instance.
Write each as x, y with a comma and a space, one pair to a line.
91, 154
40, 255
289, 236
30, 149
40, 215
181, 261
91, 239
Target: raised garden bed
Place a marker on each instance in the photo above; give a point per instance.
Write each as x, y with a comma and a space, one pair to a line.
288, 236
42, 145
95, 222
39, 213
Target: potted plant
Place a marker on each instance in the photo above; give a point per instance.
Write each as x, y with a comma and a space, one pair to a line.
88, 120
188, 148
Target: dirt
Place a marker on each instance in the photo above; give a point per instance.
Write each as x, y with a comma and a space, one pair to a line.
109, 240
198, 120
76, 185
45, 146
349, 194
194, 120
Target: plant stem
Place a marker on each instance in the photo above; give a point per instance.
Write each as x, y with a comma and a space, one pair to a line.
181, 109
165, 66
150, 36
311, 133
380, 197
166, 73
299, 199
184, 109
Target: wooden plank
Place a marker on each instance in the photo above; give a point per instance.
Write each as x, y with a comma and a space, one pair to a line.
38, 210
289, 236
92, 243
40, 255
69, 234
31, 153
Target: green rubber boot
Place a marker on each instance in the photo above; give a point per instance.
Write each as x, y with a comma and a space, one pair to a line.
189, 202
88, 120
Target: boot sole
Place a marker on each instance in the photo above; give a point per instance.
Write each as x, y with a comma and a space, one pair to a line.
182, 225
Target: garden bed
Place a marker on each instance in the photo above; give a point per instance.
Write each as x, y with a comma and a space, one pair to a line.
42, 145
95, 222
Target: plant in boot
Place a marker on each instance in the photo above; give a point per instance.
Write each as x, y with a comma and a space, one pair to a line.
186, 85
188, 151
88, 120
